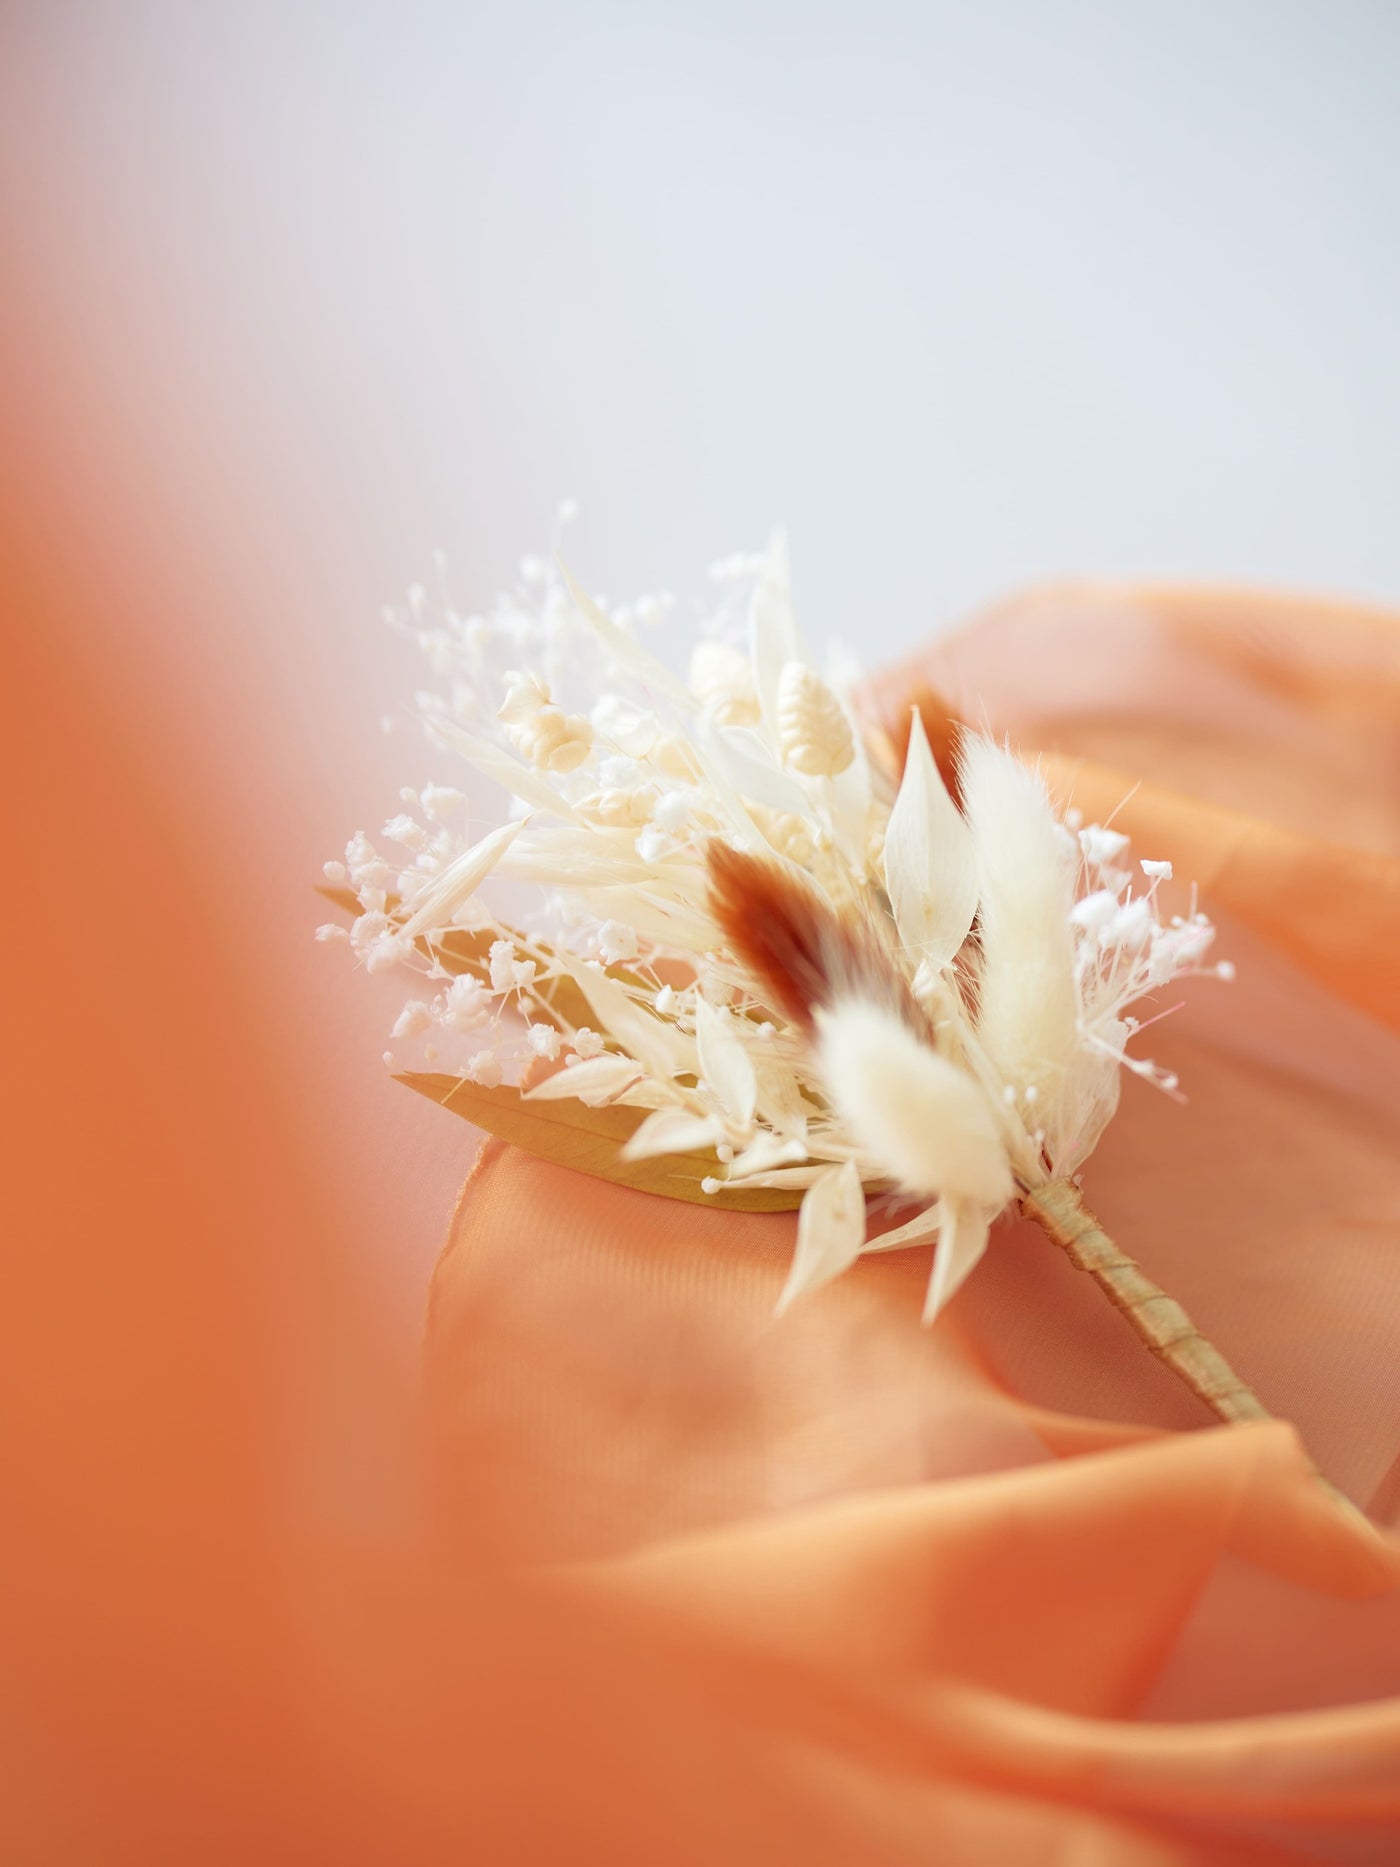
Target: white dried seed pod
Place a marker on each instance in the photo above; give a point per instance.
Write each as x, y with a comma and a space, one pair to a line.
526, 693
554, 740
618, 809
814, 735
792, 836
722, 681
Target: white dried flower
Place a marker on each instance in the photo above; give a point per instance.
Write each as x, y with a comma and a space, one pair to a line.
407, 831
526, 693
509, 973
442, 802
1094, 912
465, 1005
543, 1040
485, 1069
654, 844
370, 927
675, 811
790, 835
365, 866
618, 808
1101, 846
630, 728
616, 942
386, 952
416, 1016
547, 736
721, 678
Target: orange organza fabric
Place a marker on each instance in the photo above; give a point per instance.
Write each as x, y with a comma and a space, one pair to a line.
698, 1585
1060, 1597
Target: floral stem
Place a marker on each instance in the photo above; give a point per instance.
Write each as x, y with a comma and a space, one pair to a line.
1154, 1317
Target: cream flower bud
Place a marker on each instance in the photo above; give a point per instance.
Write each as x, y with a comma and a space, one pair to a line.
543, 1040
792, 836
618, 808
616, 942
554, 740
465, 1004
416, 1016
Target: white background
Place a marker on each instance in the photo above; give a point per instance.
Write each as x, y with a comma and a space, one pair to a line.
963, 294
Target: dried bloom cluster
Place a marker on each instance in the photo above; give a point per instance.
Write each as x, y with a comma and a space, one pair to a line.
783, 972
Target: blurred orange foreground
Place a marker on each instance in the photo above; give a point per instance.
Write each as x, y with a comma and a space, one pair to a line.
652, 1577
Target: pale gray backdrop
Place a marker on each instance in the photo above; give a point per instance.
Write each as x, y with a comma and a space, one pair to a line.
963, 294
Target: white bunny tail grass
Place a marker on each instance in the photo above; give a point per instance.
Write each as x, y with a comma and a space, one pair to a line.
924, 1120
1026, 865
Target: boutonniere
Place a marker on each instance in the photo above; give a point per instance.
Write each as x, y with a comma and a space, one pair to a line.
721, 947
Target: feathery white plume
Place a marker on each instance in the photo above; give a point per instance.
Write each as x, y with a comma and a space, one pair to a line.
923, 1120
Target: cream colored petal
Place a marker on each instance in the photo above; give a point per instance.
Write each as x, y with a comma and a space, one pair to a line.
916, 1231
773, 637
595, 1081
765, 1154
749, 767
1027, 1000
930, 861
724, 1063
830, 1232
962, 1238
656, 1044
629, 654
673, 1131
520, 780
459, 881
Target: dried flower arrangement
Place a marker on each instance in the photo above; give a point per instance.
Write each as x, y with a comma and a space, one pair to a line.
765, 968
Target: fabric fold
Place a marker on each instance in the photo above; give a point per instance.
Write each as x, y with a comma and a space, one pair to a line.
1019, 1557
